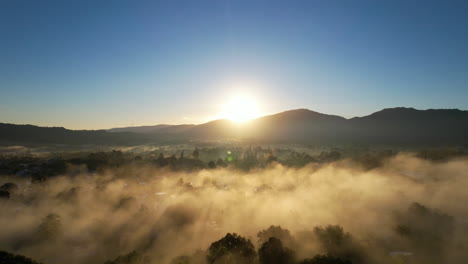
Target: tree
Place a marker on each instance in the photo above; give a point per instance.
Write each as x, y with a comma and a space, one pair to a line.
9, 187
426, 231
131, 258
4, 194
50, 228
199, 257
325, 259
338, 243
332, 237
231, 249
211, 165
278, 232
196, 154
8, 258
273, 252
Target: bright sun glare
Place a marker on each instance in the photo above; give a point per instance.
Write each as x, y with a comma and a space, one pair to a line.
240, 109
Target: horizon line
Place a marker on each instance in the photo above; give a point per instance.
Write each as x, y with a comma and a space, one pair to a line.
214, 120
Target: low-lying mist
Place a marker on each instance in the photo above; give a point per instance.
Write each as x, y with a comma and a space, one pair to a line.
408, 209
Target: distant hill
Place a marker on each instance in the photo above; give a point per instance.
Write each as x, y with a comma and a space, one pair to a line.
11, 134
152, 129
406, 126
139, 129
299, 125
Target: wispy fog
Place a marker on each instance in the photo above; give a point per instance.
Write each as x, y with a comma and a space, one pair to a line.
408, 209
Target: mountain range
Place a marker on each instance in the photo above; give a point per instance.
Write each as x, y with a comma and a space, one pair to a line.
388, 126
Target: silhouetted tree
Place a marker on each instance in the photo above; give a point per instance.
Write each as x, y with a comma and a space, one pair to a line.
50, 228
211, 165
231, 249
172, 160
196, 153
331, 156
4, 194
161, 161
8, 258
275, 231
9, 187
273, 252
297, 159
338, 243
38, 178
271, 158
426, 231
325, 259
131, 258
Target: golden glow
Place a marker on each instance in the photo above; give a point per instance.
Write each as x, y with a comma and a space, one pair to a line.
240, 108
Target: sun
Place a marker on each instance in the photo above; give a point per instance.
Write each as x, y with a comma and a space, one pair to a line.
241, 108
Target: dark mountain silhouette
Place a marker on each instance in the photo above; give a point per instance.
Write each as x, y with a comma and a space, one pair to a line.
408, 125
152, 129
28, 134
299, 125
175, 129
139, 129
405, 126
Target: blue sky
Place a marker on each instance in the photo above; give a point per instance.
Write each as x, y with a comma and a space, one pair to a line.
101, 64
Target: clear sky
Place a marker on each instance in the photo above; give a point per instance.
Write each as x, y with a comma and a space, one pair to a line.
101, 64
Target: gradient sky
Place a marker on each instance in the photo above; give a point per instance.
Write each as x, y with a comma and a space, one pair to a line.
101, 64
